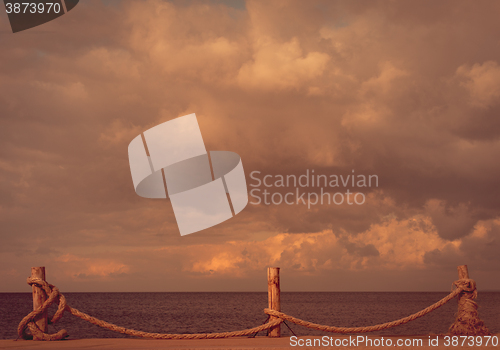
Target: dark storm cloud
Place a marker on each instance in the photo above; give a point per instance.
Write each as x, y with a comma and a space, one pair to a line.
407, 92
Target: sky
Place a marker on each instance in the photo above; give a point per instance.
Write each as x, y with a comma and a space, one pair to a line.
406, 91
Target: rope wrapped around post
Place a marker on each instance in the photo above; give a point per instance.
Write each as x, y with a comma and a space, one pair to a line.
466, 316
53, 295
467, 321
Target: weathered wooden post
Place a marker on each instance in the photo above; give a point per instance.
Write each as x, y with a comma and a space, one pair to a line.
467, 320
39, 298
463, 272
273, 292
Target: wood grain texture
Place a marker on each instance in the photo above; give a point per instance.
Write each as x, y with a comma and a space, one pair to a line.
39, 298
273, 290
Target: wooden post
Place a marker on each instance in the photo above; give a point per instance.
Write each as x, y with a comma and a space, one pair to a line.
39, 298
463, 272
467, 322
273, 290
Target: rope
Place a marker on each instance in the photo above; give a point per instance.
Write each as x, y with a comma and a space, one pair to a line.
54, 295
461, 287
467, 320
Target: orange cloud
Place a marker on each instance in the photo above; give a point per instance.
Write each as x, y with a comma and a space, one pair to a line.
77, 267
281, 66
482, 82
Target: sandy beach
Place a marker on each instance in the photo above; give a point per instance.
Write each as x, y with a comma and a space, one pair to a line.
418, 342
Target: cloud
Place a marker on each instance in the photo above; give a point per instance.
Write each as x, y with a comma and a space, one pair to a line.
281, 66
76, 267
482, 82
451, 222
478, 249
408, 94
392, 245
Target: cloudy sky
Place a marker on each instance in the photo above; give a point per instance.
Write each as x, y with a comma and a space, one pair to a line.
406, 91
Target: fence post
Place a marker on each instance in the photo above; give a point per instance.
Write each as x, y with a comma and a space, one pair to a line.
467, 321
39, 298
273, 292
463, 272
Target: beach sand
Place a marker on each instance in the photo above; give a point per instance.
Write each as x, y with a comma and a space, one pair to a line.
230, 343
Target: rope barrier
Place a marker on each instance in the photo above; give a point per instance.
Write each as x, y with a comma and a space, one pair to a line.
461, 287
54, 295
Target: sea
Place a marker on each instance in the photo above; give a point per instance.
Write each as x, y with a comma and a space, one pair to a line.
220, 312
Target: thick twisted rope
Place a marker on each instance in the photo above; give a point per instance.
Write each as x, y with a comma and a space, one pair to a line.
461, 285
27, 322
467, 321
54, 295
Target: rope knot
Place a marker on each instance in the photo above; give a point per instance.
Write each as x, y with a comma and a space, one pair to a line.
27, 322
47, 288
34, 280
466, 285
467, 320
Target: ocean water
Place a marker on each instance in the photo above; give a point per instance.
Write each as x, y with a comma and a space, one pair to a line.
219, 312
